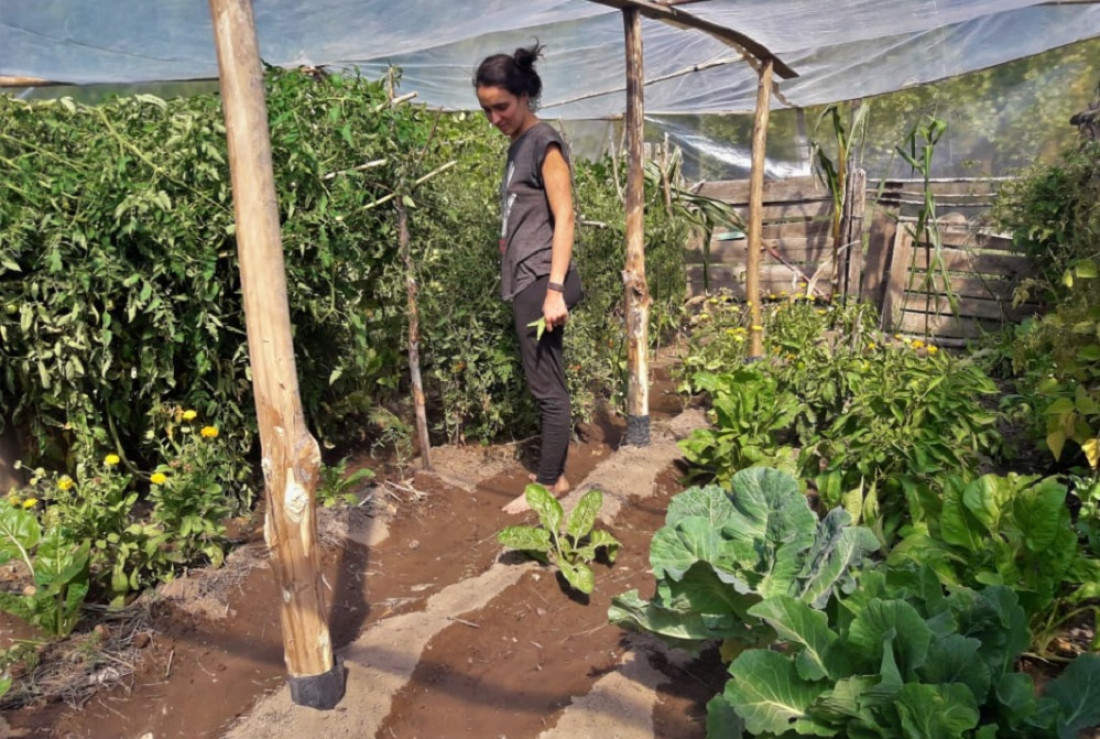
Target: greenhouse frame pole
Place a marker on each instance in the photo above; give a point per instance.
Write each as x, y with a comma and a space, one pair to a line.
756, 208
636, 299
291, 456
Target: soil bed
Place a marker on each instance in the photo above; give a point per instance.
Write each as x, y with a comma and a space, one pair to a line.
508, 668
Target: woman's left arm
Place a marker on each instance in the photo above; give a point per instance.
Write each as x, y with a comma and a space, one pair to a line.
555, 176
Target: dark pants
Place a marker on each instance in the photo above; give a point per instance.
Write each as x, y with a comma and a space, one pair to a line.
544, 369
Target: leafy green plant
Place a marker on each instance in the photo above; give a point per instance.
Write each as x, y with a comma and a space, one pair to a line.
751, 420
190, 493
1013, 531
910, 414
336, 486
1052, 213
58, 571
722, 552
571, 550
898, 657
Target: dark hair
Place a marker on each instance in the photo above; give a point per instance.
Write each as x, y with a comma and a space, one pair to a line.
515, 73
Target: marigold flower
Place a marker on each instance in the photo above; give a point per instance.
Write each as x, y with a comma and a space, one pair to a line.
209, 432
190, 415
932, 349
30, 503
65, 482
158, 478
918, 344
111, 460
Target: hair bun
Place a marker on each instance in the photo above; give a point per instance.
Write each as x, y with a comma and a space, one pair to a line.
525, 58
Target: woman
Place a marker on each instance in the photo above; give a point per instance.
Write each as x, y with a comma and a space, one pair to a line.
536, 247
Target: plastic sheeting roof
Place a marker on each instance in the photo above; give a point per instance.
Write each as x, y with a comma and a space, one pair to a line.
840, 50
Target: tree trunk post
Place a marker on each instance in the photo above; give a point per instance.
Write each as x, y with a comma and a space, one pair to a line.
756, 208
637, 299
405, 244
291, 456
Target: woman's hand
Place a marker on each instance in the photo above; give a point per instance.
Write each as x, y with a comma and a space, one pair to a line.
553, 310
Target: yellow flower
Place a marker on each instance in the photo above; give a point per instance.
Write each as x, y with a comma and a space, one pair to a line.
30, 503
757, 328
821, 311
14, 500
933, 349
111, 460
897, 336
871, 346
158, 478
190, 415
64, 482
918, 344
209, 432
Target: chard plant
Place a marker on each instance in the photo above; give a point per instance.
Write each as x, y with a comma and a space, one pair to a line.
751, 418
723, 551
58, 570
572, 549
1014, 531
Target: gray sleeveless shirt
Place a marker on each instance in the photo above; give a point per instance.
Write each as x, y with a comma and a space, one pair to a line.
527, 223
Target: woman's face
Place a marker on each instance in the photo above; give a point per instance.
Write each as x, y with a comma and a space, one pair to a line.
504, 110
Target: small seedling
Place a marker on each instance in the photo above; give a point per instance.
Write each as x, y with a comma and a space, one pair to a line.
572, 550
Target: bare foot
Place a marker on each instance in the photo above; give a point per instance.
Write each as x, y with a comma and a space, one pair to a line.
519, 504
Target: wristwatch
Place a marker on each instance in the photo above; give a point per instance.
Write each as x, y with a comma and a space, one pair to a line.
555, 286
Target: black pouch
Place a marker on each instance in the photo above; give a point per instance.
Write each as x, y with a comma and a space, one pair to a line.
574, 290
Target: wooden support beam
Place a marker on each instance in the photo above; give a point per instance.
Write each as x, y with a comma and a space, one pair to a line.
672, 16
756, 207
291, 457
22, 81
636, 290
404, 242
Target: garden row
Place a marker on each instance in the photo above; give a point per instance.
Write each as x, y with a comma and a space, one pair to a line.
123, 359
905, 524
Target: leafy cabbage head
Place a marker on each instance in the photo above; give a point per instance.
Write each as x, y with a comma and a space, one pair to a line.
722, 551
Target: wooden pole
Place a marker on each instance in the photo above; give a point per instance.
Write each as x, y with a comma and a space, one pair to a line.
405, 245
756, 207
291, 456
636, 290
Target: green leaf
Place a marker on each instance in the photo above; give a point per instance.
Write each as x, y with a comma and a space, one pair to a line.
19, 532
578, 575
955, 659
936, 711
1077, 693
525, 538
837, 548
894, 624
767, 692
583, 516
722, 719
597, 540
1086, 269
679, 626
546, 506
796, 622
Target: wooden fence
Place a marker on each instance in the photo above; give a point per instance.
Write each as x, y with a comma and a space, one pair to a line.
797, 238
953, 293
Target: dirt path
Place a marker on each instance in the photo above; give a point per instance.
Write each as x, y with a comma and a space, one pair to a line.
397, 686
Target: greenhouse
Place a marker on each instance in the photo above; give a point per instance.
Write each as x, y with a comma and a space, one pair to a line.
278, 458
